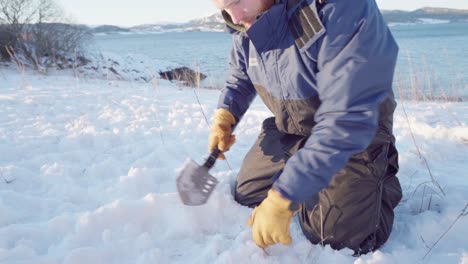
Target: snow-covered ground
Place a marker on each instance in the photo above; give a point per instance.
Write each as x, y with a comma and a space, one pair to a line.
88, 168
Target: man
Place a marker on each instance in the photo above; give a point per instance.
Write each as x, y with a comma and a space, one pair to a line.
325, 71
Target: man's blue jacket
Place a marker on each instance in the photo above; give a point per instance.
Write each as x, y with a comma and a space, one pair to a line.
325, 71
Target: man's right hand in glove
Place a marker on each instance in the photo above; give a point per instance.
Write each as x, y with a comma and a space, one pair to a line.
221, 132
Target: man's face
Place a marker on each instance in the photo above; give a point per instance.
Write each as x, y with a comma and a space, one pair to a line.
244, 12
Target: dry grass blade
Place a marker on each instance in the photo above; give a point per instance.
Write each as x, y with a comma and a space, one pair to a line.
419, 185
201, 108
422, 199
411, 130
203, 111
12, 54
433, 179
464, 212
154, 84
424, 242
423, 83
264, 251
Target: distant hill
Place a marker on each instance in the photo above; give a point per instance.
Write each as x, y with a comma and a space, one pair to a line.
210, 23
425, 14
215, 22
109, 29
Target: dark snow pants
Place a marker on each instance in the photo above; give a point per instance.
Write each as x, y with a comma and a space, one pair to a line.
354, 211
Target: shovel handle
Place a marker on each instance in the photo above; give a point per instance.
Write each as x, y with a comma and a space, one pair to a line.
209, 163
212, 158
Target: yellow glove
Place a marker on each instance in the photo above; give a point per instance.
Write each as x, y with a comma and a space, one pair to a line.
221, 132
270, 220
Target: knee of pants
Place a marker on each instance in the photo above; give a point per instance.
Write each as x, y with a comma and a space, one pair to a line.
332, 227
254, 190
250, 195
342, 226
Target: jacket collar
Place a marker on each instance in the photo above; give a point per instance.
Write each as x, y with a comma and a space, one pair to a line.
233, 28
268, 27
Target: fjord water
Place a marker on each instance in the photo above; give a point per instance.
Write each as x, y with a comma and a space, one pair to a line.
433, 57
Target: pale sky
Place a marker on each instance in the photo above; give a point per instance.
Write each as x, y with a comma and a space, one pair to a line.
137, 12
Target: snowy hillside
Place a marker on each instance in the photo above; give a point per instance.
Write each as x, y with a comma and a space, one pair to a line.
215, 21
88, 168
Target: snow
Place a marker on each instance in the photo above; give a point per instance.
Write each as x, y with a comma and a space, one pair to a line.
433, 21
88, 169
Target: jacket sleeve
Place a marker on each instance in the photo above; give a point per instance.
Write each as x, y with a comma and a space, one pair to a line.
239, 91
356, 62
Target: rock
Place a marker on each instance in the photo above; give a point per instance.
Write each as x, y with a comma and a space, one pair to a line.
185, 75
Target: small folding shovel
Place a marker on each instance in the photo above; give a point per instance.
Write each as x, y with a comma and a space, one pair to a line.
194, 183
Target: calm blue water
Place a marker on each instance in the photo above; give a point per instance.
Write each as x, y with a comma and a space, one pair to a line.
433, 57
207, 51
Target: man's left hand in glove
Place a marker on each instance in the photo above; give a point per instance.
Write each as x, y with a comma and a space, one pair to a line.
271, 219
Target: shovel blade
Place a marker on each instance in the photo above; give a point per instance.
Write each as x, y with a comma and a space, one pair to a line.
195, 184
